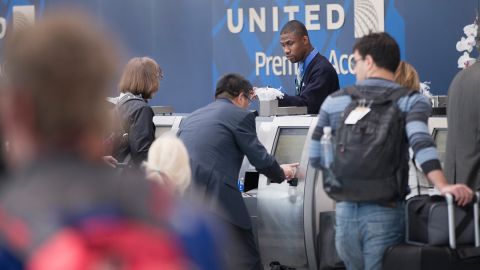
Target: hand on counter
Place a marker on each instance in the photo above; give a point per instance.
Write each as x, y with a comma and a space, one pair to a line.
290, 170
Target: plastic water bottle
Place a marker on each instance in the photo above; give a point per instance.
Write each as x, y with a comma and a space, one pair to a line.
326, 143
241, 184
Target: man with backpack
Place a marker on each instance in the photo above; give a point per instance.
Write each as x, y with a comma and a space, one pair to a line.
374, 122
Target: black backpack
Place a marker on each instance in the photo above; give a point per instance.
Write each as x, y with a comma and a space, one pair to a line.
371, 160
118, 137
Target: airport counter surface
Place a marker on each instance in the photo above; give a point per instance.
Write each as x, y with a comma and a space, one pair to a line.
285, 216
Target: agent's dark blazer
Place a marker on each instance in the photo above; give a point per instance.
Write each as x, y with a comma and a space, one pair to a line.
217, 137
462, 164
319, 80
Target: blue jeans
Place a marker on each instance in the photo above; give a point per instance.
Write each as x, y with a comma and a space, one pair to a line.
365, 230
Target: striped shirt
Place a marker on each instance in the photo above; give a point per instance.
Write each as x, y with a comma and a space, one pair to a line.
416, 107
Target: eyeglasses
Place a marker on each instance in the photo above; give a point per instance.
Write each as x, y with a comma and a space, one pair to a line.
355, 62
250, 96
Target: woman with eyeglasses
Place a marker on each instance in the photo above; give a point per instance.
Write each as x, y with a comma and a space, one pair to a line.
135, 131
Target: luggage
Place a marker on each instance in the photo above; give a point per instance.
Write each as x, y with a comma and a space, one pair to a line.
426, 219
328, 256
416, 257
277, 266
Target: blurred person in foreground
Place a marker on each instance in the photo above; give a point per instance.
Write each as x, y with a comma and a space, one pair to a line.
62, 208
3, 168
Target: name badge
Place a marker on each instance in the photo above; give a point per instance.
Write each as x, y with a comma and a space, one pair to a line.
357, 114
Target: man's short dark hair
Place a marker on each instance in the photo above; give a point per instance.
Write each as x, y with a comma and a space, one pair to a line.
296, 27
382, 48
232, 85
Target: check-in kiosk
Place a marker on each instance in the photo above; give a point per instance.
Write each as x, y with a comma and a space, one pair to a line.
250, 175
440, 138
286, 213
437, 127
166, 123
439, 135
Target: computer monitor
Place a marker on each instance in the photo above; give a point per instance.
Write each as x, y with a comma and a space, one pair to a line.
159, 130
289, 144
440, 138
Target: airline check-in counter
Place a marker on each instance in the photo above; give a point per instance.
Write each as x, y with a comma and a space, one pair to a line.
165, 120
437, 127
285, 216
251, 176
166, 123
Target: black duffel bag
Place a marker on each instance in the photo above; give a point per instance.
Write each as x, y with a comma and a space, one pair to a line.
427, 222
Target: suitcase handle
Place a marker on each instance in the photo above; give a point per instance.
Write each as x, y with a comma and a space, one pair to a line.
451, 220
476, 223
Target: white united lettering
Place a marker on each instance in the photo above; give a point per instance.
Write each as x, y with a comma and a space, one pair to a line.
261, 18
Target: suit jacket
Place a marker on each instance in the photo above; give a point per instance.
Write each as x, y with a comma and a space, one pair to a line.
319, 80
217, 137
462, 164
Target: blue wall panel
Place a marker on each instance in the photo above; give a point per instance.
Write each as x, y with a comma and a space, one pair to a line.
191, 41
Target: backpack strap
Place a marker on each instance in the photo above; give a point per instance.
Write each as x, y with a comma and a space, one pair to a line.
354, 92
392, 95
398, 93
121, 101
127, 97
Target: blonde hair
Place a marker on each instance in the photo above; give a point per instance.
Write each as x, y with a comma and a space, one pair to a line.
407, 76
140, 77
168, 162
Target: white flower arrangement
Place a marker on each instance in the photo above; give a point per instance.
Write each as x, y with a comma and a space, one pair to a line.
466, 45
425, 89
268, 93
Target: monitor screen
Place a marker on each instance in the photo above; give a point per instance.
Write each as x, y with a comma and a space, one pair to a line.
159, 130
289, 146
440, 138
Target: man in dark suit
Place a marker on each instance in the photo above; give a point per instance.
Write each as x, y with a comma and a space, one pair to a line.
462, 164
217, 138
316, 78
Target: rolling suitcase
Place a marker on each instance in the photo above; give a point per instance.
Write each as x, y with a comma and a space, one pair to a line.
416, 257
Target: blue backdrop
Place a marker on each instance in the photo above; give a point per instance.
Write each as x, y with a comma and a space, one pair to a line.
194, 44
